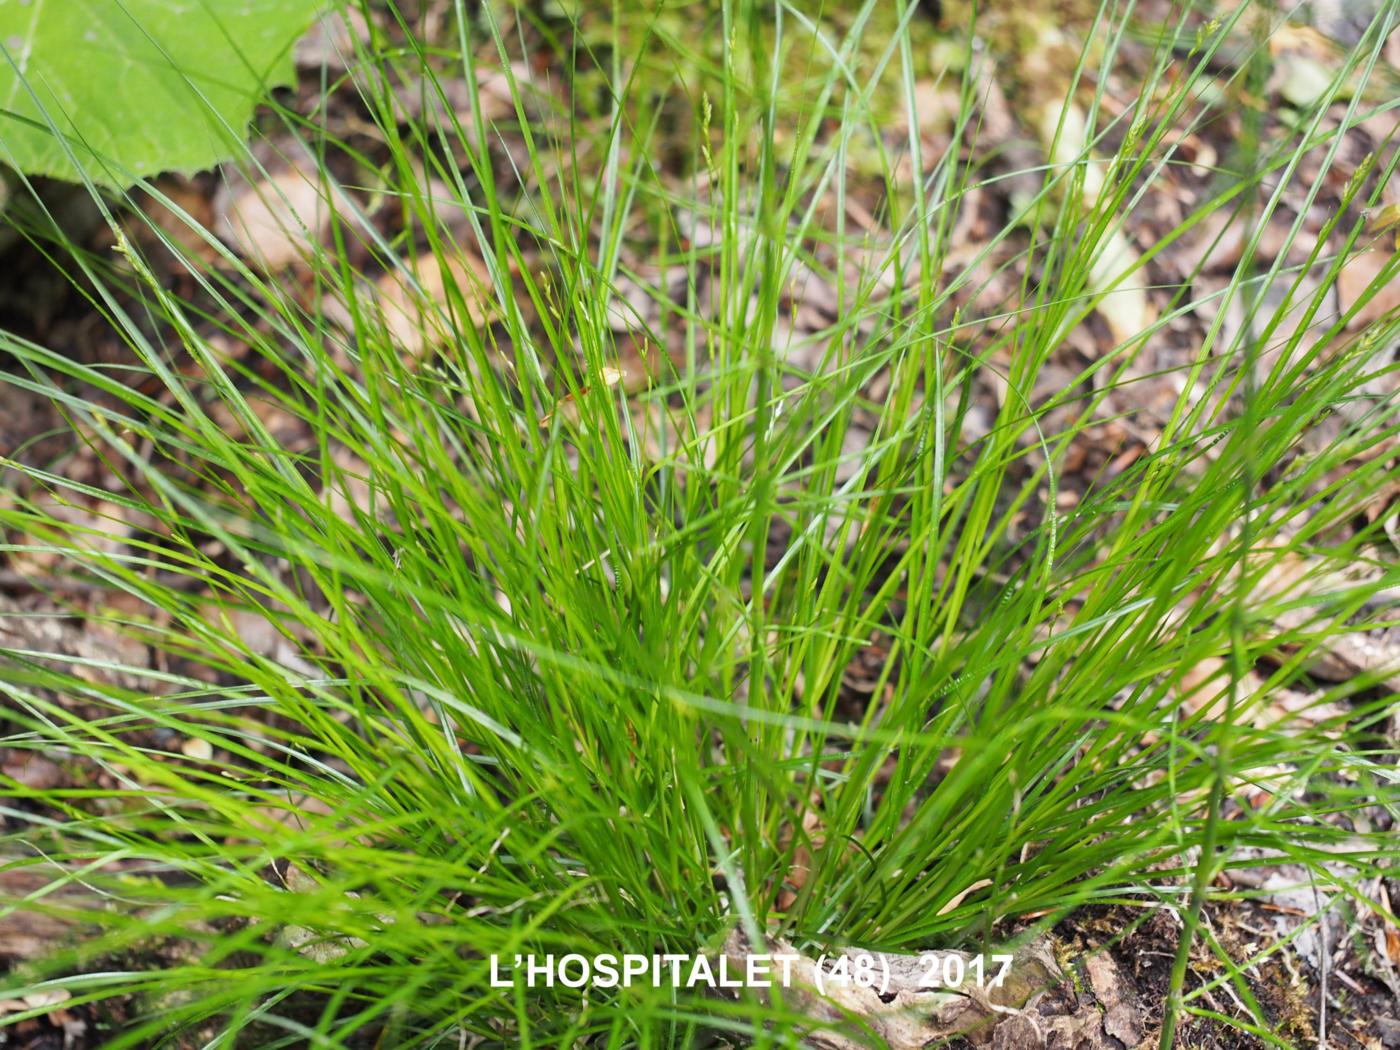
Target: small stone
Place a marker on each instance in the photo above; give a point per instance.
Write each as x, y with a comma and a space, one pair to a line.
197, 748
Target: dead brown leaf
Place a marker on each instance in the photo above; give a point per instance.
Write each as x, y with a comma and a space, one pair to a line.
419, 308
800, 869
33, 771
1356, 278
274, 223
903, 1012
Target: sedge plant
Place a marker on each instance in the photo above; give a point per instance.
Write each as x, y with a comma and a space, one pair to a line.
563, 597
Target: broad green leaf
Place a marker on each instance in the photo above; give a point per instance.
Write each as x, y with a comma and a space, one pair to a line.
137, 86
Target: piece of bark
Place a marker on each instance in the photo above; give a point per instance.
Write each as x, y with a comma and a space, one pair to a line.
1121, 1017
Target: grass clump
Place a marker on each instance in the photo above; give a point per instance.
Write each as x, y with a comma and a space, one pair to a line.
555, 611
